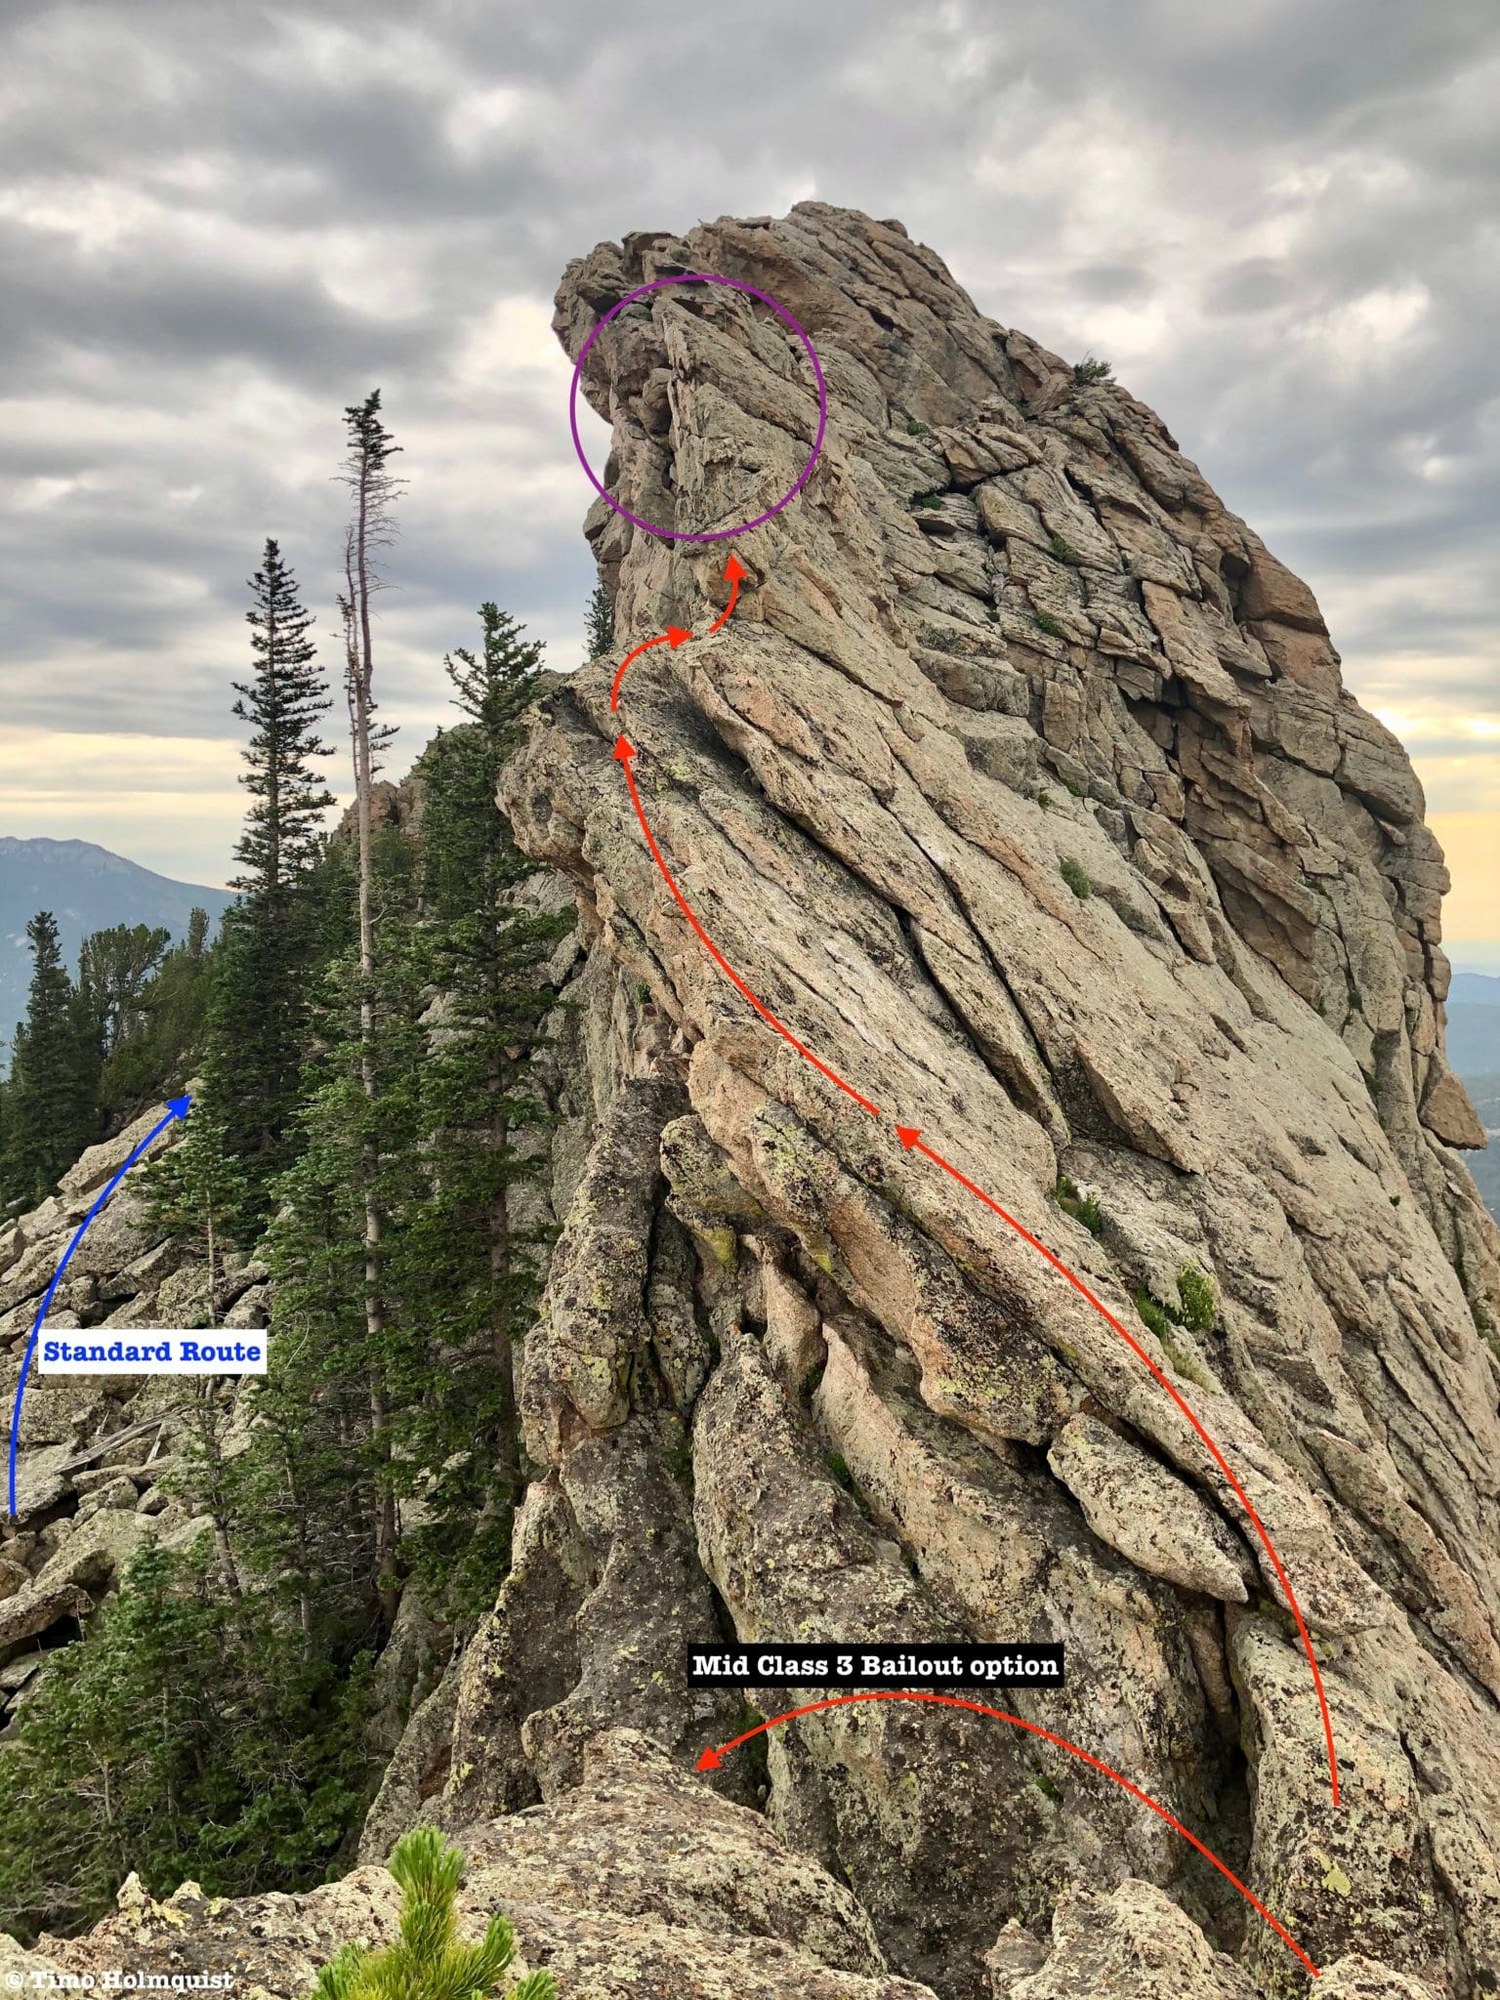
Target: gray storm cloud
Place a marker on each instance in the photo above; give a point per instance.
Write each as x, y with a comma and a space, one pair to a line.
218, 225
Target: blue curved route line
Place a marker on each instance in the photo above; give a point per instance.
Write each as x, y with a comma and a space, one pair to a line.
177, 1107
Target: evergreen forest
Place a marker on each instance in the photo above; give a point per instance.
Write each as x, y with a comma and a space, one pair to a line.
361, 1041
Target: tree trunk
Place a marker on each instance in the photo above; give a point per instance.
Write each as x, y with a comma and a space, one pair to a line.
362, 676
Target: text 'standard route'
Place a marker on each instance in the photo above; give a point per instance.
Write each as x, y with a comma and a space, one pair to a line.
878, 1664
153, 1350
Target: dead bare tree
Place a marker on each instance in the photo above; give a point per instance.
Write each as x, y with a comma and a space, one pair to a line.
373, 488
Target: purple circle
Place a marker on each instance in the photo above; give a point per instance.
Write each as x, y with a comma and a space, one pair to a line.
717, 534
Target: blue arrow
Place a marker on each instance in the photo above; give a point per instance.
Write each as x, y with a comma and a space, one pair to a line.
177, 1107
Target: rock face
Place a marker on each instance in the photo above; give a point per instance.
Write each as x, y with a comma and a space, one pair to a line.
93, 1448
1022, 789
641, 1882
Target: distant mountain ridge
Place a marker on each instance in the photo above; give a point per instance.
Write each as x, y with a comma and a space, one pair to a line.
87, 889
1474, 1051
1474, 1023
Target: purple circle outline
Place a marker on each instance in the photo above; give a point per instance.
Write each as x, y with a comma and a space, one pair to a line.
717, 534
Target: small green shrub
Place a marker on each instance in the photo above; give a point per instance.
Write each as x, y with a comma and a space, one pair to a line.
1154, 1313
916, 430
928, 500
838, 1467
1046, 1787
427, 1962
1073, 874
992, 614
1082, 1207
1091, 370
1164, 1321
1044, 800
811, 1380
1045, 622
1199, 1306
1186, 1365
1064, 552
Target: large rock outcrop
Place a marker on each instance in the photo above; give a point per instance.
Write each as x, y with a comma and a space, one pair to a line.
1021, 786
94, 1451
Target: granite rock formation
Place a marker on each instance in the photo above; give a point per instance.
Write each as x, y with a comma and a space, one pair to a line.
1023, 788
94, 1451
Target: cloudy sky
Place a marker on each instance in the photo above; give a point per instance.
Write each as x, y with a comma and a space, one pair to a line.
219, 223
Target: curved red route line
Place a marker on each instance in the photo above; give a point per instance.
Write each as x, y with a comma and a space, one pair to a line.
711, 1759
915, 1143
911, 1140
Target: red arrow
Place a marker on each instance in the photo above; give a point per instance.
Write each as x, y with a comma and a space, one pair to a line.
624, 752
711, 1759
911, 1138
674, 636
735, 573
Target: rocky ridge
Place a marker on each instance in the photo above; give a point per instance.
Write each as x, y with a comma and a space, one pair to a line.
1023, 787
93, 1452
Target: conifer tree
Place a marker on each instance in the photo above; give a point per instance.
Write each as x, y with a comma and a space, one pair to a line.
427, 1961
115, 967
373, 488
326, 1390
161, 1027
271, 937
189, 1734
466, 1259
50, 1101
196, 1188
282, 704
599, 631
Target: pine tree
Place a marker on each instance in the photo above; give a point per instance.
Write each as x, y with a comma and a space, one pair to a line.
463, 1248
196, 1189
272, 937
427, 1962
373, 489
161, 1033
282, 704
189, 1734
599, 629
51, 1114
115, 968
326, 1390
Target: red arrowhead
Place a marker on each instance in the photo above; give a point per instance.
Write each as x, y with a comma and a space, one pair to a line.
624, 751
709, 1761
676, 636
735, 571
907, 1134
